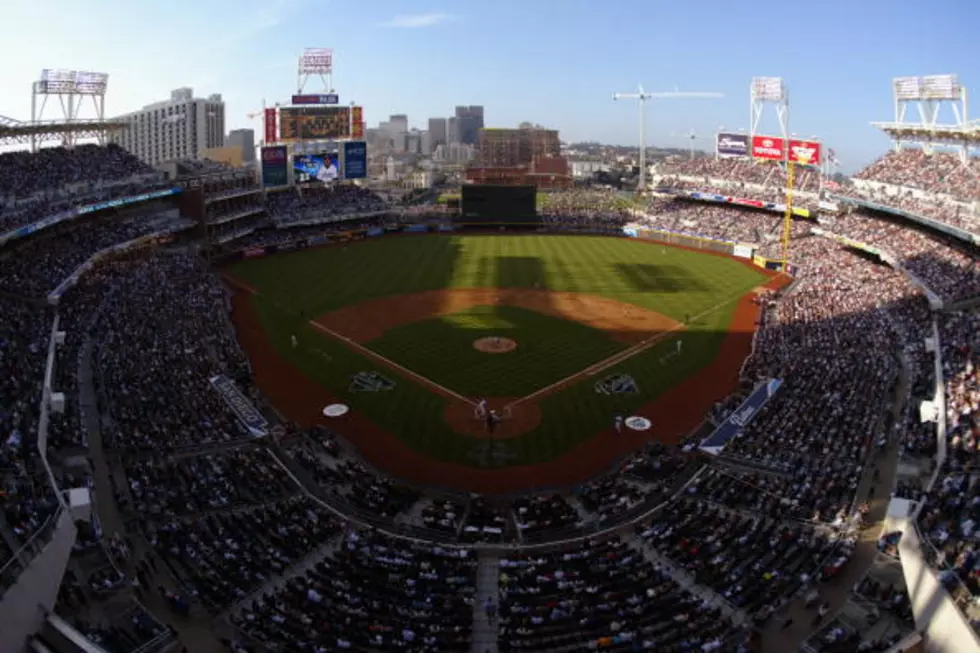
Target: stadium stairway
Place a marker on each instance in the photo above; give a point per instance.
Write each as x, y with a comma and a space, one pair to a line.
487, 584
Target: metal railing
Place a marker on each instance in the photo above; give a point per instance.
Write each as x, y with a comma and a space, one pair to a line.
22, 558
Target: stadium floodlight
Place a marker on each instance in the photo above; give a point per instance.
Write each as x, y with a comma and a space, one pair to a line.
929, 93
768, 90
71, 87
315, 61
89, 83
643, 96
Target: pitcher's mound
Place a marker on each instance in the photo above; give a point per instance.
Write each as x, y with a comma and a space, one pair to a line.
494, 345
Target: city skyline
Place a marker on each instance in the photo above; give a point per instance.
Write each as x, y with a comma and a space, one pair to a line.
544, 63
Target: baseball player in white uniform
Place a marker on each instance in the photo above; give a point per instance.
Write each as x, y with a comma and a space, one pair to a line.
481, 409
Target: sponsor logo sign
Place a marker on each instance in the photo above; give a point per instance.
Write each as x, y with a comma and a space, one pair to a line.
743, 202
732, 144
254, 252
617, 384
326, 98
767, 147
807, 152
271, 133
370, 382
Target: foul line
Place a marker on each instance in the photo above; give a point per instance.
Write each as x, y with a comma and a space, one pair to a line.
618, 358
370, 353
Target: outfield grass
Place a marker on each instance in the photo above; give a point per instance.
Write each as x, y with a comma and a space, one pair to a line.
549, 349
675, 282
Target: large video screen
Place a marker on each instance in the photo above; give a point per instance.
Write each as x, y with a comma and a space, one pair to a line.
492, 203
322, 168
314, 123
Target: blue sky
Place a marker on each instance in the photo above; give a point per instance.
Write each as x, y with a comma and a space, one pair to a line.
547, 61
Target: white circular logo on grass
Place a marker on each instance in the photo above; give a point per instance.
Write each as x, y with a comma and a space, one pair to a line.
336, 410
638, 423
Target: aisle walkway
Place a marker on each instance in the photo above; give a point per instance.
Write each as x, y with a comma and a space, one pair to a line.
487, 585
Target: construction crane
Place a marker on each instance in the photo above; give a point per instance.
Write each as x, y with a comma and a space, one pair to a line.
643, 96
692, 136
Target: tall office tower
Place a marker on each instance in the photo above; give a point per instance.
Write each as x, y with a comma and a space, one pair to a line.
243, 139
178, 128
452, 130
438, 133
398, 123
470, 120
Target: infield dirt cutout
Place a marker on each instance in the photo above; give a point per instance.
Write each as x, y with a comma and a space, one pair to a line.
494, 345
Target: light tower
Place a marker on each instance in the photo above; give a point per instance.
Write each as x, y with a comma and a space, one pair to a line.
315, 62
643, 96
929, 94
71, 87
769, 90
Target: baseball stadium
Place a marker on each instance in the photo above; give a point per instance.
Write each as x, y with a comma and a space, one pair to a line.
300, 405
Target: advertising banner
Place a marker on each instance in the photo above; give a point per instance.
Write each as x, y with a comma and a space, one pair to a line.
767, 147
239, 404
806, 152
271, 133
254, 252
275, 160
732, 144
743, 251
744, 202
327, 98
355, 160
737, 421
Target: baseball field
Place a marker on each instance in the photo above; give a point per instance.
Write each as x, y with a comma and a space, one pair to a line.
558, 334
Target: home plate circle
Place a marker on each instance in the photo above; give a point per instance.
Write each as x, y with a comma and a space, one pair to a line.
638, 423
494, 345
336, 410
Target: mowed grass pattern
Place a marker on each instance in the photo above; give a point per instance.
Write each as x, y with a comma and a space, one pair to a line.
678, 283
549, 349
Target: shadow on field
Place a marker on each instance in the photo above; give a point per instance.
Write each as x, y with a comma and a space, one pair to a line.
648, 277
519, 272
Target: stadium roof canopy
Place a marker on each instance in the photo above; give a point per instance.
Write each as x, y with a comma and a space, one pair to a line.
15, 132
967, 134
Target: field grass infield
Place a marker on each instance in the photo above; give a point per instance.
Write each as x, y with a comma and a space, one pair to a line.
407, 310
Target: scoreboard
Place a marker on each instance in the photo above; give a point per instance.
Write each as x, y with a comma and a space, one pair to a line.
314, 123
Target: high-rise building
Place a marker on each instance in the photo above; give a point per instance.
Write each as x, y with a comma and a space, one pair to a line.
243, 139
438, 133
178, 128
398, 123
452, 130
516, 147
426, 147
470, 121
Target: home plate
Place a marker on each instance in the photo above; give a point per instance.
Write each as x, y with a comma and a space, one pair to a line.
637, 423
336, 410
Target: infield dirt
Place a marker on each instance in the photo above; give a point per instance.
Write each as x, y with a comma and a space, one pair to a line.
369, 320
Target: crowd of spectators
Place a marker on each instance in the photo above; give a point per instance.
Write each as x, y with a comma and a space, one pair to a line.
750, 176
949, 270
585, 207
322, 201
138, 352
940, 172
602, 594
53, 180
374, 593
224, 557
25, 330
35, 267
753, 561
952, 508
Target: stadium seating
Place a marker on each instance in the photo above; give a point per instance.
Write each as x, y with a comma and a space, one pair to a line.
53, 180
312, 202
234, 534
